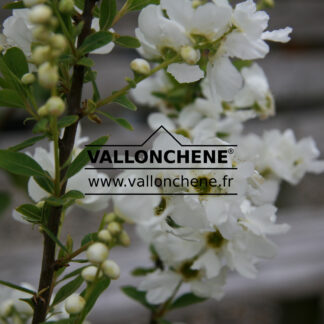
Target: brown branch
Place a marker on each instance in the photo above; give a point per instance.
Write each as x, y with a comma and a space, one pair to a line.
65, 148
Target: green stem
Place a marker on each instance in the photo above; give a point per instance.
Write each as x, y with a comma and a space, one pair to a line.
133, 83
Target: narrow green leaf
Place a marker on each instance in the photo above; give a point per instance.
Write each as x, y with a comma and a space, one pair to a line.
120, 121
138, 272
45, 183
31, 213
41, 126
4, 201
137, 295
20, 163
11, 99
54, 239
73, 273
140, 4
25, 144
73, 194
55, 201
95, 40
86, 61
83, 158
4, 84
67, 290
127, 41
14, 5
186, 300
16, 61
100, 287
67, 121
89, 238
108, 12
16, 287
125, 102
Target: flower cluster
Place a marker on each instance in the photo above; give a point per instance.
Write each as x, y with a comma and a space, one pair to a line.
197, 239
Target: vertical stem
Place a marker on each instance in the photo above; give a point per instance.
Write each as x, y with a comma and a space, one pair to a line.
65, 147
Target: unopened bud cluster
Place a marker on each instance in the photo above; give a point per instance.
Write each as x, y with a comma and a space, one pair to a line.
48, 47
110, 235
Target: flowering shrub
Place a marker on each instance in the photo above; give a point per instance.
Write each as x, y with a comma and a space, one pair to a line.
198, 69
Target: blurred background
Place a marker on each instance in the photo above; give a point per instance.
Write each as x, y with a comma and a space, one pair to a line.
290, 288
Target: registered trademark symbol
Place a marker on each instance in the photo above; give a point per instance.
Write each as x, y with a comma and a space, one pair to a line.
230, 151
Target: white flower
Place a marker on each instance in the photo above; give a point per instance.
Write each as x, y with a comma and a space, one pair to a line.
255, 91
106, 49
159, 286
18, 30
246, 41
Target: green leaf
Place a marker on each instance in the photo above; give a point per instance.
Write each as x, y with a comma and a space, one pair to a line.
73, 194
45, 183
101, 285
125, 102
120, 121
86, 61
41, 126
138, 272
73, 273
67, 290
95, 40
25, 144
31, 213
108, 12
4, 84
89, 238
20, 163
11, 99
127, 41
55, 201
16, 287
4, 201
137, 295
67, 121
54, 239
186, 300
16, 61
83, 158
14, 5
140, 4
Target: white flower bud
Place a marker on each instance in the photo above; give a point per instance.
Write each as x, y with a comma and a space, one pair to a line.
56, 106
105, 236
97, 252
89, 273
31, 3
108, 218
41, 33
124, 238
58, 42
43, 111
140, 66
40, 14
41, 54
111, 269
28, 78
6, 308
48, 75
66, 6
74, 304
40, 204
114, 228
190, 55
